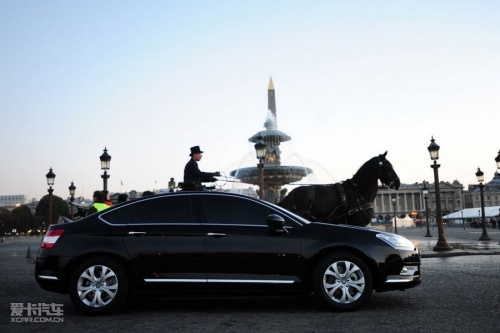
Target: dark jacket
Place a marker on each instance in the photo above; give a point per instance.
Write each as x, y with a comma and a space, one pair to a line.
193, 177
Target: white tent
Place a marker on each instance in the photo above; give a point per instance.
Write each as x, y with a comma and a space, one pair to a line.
406, 222
470, 213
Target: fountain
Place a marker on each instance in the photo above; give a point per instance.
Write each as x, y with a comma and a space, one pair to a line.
275, 174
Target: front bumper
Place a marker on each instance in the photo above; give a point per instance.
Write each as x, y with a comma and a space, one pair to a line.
402, 271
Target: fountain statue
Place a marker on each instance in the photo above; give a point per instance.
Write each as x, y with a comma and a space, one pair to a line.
275, 174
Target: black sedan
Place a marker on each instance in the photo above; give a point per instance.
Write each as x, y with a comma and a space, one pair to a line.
213, 243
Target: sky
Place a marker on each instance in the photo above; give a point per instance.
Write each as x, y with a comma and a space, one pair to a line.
149, 79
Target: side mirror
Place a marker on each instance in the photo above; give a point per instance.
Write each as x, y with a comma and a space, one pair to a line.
276, 222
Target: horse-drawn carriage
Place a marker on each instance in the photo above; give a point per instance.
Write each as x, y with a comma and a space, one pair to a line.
349, 202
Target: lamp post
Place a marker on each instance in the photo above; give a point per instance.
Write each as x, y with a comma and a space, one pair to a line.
480, 179
260, 151
105, 163
171, 185
426, 192
72, 189
463, 221
50, 181
442, 244
497, 159
394, 208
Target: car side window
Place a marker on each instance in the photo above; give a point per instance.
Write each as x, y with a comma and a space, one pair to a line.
172, 210
233, 210
122, 215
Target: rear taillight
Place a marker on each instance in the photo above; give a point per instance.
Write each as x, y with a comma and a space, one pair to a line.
51, 238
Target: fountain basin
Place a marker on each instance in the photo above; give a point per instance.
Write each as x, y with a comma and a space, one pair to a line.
274, 175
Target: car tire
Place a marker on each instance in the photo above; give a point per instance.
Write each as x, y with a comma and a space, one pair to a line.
98, 286
342, 281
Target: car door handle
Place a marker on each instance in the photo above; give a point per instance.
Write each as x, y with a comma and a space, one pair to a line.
137, 233
215, 234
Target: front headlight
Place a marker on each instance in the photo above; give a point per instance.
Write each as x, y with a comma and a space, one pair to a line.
397, 242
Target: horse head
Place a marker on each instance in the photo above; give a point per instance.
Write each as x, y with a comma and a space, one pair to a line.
387, 175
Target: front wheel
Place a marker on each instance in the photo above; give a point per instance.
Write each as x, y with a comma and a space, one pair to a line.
342, 281
98, 286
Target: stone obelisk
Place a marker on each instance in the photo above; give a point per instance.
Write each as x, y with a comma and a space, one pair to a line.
271, 99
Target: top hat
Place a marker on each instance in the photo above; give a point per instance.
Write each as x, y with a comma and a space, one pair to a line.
195, 150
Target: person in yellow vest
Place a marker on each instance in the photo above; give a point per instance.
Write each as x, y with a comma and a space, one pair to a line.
98, 204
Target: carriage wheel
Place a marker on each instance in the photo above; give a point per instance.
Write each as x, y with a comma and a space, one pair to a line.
342, 281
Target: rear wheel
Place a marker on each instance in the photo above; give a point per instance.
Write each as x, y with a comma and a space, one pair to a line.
342, 281
98, 286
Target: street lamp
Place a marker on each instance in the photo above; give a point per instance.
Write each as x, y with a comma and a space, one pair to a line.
72, 189
414, 214
171, 185
426, 192
463, 221
105, 164
394, 207
50, 181
442, 244
260, 151
497, 159
480, 179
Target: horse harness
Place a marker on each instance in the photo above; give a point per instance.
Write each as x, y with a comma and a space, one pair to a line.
341, 209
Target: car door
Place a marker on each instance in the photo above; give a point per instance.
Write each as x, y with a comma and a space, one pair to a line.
242, 251
165, 242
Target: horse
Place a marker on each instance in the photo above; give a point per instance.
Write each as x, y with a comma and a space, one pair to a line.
349, 202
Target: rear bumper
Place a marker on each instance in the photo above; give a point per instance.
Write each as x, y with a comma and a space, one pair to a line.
49, 276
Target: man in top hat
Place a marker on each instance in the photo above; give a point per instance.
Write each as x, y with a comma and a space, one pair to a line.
193, 177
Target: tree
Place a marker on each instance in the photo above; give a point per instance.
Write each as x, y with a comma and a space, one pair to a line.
6, 221
59, 208
23, 219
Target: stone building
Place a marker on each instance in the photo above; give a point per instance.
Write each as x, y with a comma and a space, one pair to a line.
410, 200
12, 201
491, 192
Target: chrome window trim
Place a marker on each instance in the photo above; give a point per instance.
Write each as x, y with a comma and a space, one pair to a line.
277, 209
238, 225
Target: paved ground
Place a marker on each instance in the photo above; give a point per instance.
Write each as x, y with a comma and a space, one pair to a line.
463, 241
